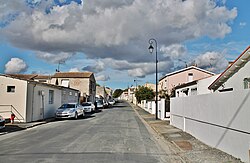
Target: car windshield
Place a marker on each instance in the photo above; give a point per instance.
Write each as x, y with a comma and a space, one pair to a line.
86, 104
64, 106
100, 101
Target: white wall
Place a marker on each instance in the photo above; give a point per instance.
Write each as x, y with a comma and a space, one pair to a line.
17, 99
149, 106
220, 120
203, 84
39, 105
236, 81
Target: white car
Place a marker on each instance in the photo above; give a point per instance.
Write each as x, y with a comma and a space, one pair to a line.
2, 122
112, 102
70, 110
88, 107
99, 104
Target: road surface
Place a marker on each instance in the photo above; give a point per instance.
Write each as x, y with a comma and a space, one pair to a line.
111, 136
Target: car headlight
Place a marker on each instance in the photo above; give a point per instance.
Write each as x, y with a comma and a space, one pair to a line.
71, 110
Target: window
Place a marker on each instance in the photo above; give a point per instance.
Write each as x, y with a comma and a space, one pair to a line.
51, 96
11, 88
190, 77
246, 83
42, 81
193, 91
65, 83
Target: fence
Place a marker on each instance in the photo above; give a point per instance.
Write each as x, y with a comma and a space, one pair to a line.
163, 109
7, 110
220, 120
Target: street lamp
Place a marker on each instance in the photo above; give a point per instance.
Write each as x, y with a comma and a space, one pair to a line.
151, 49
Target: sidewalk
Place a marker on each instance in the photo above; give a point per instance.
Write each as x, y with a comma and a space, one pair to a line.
189, 148
17, 126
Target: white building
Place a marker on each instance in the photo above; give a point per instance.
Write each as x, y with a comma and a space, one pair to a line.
197, 87
220, 119
236, 76
30, 100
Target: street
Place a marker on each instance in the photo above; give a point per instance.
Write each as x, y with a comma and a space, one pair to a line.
113, 135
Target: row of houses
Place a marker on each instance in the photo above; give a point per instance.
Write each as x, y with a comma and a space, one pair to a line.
212, 107
33, 97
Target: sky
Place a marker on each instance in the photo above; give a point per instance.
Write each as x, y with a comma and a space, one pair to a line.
110, 37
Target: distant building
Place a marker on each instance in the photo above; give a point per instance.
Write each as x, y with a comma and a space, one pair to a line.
150, 85
83, 81
189, 74
30, 100
104, 92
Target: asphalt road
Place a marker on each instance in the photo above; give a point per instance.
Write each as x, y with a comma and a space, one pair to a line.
111, 136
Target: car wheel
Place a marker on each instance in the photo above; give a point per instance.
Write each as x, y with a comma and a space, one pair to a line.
76, 116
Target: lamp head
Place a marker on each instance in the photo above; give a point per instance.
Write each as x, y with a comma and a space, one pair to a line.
151, 49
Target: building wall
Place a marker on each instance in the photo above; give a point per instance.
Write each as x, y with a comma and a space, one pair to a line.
39, 106
150, 85
81, 84
169, 82
220, 120
70, 96
236, 81
17, 99
202, 85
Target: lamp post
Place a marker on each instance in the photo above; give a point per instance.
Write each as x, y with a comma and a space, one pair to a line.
151, 49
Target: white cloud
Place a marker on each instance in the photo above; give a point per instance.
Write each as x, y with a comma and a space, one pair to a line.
15, 66
54, 57
102, 78
99, 66
175, 51
242, 24
74, 70
137, 69
212, 61
116, 29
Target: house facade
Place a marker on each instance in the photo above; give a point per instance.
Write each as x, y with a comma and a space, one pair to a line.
219, 118
196, 87
189, 74
83, 81
236, 76
30, 100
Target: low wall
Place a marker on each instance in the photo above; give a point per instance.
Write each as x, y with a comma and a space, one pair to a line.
149, 106
221, 120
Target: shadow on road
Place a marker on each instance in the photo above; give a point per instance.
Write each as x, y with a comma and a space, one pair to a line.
11, 128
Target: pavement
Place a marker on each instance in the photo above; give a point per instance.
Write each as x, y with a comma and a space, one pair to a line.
188, 147
18, 126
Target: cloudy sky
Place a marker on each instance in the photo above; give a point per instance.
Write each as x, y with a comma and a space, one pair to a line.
110, 37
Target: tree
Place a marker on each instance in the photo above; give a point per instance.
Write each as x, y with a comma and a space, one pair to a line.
117, 93
144, 93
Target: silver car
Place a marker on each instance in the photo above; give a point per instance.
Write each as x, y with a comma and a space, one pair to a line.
88, 107
70, 110
2, 122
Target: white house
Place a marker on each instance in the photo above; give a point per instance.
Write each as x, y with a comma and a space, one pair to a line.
30, 100
189, 74
197, 87
236, 76
220, 119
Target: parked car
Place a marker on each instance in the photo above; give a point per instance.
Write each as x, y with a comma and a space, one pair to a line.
99, 104
105, 104
88, 107
111, 102
70, 110
2, 122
